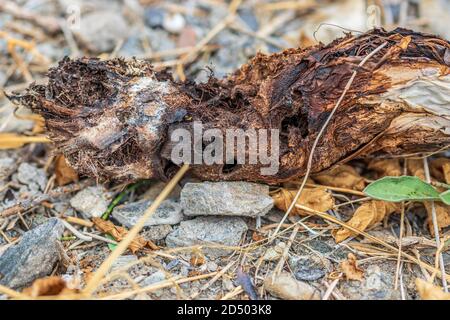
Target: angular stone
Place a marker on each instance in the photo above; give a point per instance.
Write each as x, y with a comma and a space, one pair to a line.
206, 231
158, 232
34, 257
91, 201
101, 30
309, 268
284, 286
169, 212
226, 199
30, 175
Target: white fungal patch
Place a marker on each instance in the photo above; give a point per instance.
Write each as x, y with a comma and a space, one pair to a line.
107, 131
427, 91
148, 94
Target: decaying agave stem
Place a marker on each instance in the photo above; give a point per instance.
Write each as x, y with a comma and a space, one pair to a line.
112, 118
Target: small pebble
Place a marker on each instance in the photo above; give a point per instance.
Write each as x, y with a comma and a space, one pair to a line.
154, 17
174, 23
91, 201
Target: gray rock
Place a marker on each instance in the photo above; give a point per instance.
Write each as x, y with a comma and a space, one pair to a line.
284, 286
31, 176
156, 277
101, 30
169, 212
226, 199
123, 261
5, 166
10, 123
155, 233
208, 231
91, 201
154, 17
160, 40
34, 257
309, 268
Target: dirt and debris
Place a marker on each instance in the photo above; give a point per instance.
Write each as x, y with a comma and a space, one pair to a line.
112, 79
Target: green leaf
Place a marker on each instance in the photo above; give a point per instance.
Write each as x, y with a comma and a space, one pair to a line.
110, 245
445, 197
403, 188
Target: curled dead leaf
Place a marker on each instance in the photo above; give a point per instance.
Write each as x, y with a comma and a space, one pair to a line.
415, 167
429, 291
118, 233
440, 169
64, 173
367, 215
197, 259
350, 268
343, 176
49, 286
315, 198
386, 167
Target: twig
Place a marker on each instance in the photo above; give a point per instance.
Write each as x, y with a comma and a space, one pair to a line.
435, 228
322, 130
97, 237
75, 232
400, 237
212, 33
81, 222
233, 293
280, 264
11, 293
49, 24
330, 288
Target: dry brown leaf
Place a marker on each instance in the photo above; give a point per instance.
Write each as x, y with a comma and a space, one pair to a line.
315, 198
343, 176
49, 286
351, 269
367, 215
13, 141
256, 236
118, 233
64, 173
386, 167
440, 169
197, 259
415, 167
429, 291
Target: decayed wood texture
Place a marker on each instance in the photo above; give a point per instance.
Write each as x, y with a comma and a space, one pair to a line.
111, 118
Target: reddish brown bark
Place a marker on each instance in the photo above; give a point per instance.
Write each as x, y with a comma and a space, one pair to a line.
111, 118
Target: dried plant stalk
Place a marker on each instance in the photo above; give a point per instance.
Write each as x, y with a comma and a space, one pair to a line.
112, 119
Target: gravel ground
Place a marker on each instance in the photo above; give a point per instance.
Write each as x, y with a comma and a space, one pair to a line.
201, 229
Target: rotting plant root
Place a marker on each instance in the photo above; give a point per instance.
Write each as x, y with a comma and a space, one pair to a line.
112, 119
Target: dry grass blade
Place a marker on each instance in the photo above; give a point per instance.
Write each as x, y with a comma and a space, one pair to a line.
12, 293
14, 141
435, 227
